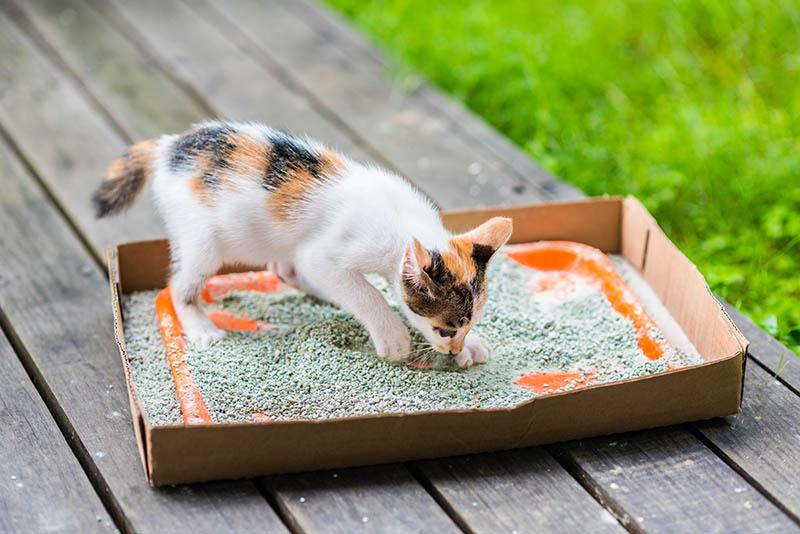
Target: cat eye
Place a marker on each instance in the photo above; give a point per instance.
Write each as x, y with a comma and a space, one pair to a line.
445, 332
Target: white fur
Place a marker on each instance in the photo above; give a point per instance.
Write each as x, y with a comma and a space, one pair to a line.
356, 224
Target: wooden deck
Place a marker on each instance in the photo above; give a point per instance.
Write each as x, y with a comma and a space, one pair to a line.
81, 79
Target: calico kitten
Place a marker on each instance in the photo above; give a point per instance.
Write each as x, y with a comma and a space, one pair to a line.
245, 193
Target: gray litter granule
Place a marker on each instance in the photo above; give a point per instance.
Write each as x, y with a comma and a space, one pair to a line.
319, 363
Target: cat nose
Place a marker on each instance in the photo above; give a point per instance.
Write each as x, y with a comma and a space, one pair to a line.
455, 348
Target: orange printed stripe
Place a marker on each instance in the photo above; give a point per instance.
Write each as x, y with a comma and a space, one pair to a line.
550, 381
192, 403
227, 321
193, 406
597, 269
222, 284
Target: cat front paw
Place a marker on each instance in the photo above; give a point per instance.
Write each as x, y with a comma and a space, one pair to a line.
201, 334
476, 350
393, 341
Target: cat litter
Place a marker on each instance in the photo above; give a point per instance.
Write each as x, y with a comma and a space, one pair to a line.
558, 318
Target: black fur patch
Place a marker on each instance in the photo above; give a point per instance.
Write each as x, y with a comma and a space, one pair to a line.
211, 140
288, 156
445, 298
482, 254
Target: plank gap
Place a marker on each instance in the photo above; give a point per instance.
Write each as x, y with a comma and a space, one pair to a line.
77, 447
285, 515
775, 376
25, 24
127, 31
594, 489
15, 149
742, 472
437, 496
254, 51
464, 122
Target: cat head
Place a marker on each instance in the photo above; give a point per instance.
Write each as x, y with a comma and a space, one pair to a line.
444, 291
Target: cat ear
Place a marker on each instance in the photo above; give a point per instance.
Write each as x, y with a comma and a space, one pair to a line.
415, 260
489, 237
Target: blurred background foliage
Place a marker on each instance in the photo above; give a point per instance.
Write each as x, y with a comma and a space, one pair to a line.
693, 106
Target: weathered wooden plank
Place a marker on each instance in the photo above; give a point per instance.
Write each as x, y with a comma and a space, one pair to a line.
68, 142
145, 102
416, 140
402, 489
768, 351
515, 491
231, 83
464, 123
667, 481
764, 439
55, 300
373, 499
42, 486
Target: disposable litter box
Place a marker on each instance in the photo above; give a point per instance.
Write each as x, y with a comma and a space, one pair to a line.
564, 239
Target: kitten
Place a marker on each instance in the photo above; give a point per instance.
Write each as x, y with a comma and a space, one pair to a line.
245, 193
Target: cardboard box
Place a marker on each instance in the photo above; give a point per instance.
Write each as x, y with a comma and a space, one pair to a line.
177, 454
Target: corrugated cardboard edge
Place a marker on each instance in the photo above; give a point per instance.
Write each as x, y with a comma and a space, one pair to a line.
177, 454
140, 424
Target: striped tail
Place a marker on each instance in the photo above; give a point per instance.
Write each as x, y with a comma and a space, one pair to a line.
125, 179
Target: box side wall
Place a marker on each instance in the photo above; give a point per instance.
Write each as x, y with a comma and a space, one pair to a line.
176, 454
143, 265
233, 451
596, 222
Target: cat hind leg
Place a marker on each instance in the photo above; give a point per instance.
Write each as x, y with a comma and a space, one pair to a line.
190, 272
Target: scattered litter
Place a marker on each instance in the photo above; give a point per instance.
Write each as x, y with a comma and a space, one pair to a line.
320, 362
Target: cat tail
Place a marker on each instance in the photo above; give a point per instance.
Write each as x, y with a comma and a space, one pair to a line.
125, 179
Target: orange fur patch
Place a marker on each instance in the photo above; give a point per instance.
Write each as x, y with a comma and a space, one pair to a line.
201, 191
459, 260
299, 185
494, 232
141, 154
332, 164
204, 164
249, 158
295, 189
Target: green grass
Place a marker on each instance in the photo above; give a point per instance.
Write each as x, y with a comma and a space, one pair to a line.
693, 106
